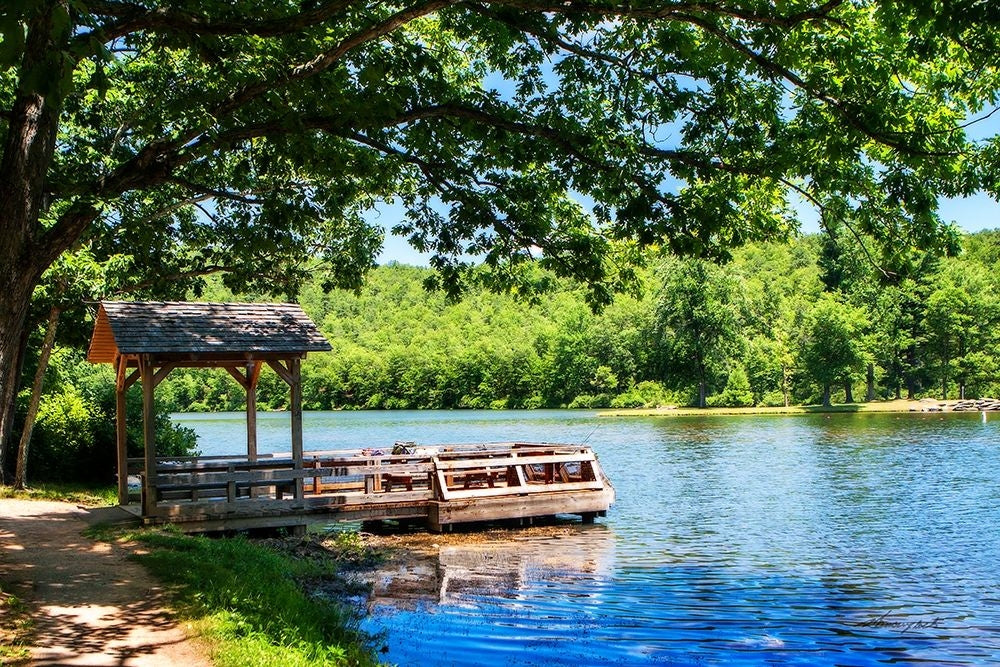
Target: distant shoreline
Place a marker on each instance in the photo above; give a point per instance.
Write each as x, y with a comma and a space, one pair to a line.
924, 406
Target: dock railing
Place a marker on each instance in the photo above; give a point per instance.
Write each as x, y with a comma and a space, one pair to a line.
365, 482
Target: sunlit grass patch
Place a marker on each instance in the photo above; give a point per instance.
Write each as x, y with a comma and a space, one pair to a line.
82, 494
253, 603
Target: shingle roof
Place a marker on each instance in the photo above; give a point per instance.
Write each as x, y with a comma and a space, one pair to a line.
172, 327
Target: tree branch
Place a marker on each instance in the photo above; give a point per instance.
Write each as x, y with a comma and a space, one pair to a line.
133, 18
842, 108
671, 10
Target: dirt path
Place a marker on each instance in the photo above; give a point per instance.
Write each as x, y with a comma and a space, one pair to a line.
90, 604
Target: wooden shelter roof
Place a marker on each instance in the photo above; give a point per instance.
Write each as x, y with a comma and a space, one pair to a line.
168, 329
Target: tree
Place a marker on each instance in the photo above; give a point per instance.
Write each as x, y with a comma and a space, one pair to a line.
960, 317
831, 349
75, 277
698, 319
213, 135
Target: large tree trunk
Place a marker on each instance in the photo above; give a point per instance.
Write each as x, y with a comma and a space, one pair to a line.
13, 341
848, 392
25, 248
870, 383
21, 474
826, 396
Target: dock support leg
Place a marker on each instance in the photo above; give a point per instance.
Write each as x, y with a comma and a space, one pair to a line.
148, 437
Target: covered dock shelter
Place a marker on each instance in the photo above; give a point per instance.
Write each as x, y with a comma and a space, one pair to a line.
144, 341
441, 485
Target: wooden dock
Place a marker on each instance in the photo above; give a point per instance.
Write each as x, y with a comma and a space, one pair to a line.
442, 485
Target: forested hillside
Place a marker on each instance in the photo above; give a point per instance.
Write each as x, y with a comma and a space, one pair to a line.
781, 323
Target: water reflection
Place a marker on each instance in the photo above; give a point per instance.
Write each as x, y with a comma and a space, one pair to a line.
456, 568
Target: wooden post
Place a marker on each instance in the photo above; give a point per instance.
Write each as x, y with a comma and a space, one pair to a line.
121, 433
295, 370
253, 373
148, 436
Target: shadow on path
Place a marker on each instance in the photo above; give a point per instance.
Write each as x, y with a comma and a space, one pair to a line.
91, 605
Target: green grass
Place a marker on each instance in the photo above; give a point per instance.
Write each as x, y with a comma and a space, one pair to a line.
250, 602
15, 630
82, 494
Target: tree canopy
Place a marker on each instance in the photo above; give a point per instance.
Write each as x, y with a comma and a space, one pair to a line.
257, 136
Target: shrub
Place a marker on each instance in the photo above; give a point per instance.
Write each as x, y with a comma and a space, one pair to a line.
737, 393
646, 394
589, 401
74, 435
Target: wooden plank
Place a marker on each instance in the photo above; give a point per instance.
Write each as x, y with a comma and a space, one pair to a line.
259, 506
162, 373
441, 488
211, 523
131, 379
514, 460
238, 376
525, 490
517, 507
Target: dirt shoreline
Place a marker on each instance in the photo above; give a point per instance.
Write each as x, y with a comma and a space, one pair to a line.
90, 604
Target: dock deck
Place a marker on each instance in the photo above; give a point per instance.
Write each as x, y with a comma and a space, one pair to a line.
441, 485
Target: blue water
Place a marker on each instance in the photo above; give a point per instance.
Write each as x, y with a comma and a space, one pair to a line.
805, 540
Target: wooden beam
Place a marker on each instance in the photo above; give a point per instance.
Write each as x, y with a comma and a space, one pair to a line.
148, 437
132, 378
195, 359
284, 373
475, 461
163, 373
253, 373
238, 376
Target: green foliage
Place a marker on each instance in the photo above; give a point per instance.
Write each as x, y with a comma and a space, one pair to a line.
737, 393
252, 603
764, 328
763, 317
831, 343
697, 314
74, 436
646, 394
81, 494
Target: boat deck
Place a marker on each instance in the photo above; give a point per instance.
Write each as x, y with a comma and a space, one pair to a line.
441, 485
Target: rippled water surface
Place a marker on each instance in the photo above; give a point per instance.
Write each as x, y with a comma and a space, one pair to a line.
813, 540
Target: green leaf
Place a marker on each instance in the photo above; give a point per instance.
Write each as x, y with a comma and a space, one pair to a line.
12, 46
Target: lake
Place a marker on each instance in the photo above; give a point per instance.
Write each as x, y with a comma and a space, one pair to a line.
815, 540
